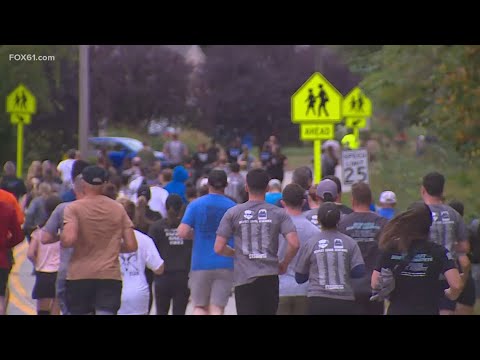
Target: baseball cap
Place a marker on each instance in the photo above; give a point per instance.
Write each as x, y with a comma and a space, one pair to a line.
388, 197
217, 179
327, 186
94, 175
275, 182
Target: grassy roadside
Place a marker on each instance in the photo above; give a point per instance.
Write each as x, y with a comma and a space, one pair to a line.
399, 170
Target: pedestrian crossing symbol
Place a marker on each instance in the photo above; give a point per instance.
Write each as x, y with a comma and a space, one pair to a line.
317, 100
356, 104
21, 101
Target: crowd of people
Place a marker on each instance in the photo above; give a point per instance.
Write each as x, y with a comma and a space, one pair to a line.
108, 240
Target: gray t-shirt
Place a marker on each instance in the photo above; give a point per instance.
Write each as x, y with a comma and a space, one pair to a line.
256, 226
305, 231
53, 226
176, 150
447, 228
328, 258
236, 187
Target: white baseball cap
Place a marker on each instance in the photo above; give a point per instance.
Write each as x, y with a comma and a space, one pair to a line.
388, 197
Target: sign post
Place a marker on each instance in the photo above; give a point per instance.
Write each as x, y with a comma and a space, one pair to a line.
356, 108
21, 104
316, 105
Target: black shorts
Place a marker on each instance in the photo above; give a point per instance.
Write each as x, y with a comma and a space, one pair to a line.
468, 295
44, 287
4, 273
89, 295
259, 297
325, 306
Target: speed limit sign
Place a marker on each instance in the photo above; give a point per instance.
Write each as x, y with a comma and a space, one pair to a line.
354, 166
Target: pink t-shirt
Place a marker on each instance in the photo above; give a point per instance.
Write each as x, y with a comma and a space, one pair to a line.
48, 255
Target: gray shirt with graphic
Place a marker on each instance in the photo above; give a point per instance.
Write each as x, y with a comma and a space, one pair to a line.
256, 226
305, 231
328, 258
447, 228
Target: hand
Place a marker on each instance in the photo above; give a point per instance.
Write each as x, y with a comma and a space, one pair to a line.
449, 295
282, 268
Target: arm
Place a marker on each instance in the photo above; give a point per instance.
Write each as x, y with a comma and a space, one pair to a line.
16, 232
129, 243
221, 247
224, 232
52, 226
293, 244
153, 259
70, 229
455, 282
185, 232
463, 247
358, 272
48, 238
375, 281
357, 265
33, 248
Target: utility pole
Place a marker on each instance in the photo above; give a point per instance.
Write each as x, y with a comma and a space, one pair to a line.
84, 101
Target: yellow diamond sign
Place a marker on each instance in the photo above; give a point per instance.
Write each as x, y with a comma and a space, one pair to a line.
316, 101
356, 104
21, 100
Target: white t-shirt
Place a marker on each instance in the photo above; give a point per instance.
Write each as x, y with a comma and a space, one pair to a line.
135, 294
65, 167
158, 200
133, 187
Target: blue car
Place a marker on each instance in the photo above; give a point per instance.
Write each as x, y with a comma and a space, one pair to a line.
120, 148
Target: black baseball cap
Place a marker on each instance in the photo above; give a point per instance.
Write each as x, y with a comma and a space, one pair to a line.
94, 175
217, 179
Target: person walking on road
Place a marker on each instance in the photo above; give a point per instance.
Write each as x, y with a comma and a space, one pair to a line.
46, 260
98, 229
330, 260
54, 225
256, 226
410, 266
293, 297
171, 287
11, 183
448, 230
11, 235
136, 291
365, 227
211, 276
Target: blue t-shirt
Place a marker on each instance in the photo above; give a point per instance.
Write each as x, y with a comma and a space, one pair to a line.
387, 213
68, 196
273, 198
204, 215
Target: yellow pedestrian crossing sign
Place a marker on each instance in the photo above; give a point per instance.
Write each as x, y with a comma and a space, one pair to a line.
356, 104
317, 100
18, 118
21, 100
358, 122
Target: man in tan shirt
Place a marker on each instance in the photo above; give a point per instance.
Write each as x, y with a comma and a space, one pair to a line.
98, 229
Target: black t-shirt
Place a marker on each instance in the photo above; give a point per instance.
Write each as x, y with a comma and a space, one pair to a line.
365, 229
275, 167
418, 288
14, 186
175, 251
344, 209
233, 153
200, 160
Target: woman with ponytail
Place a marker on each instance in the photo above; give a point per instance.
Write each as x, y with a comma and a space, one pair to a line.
329, 260
410, 266
172, 285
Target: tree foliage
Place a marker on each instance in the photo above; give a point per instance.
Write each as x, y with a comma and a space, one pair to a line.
249, 87
437, 85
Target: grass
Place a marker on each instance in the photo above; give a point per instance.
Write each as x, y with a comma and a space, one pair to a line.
399, 170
